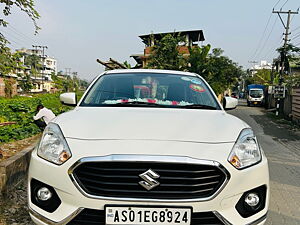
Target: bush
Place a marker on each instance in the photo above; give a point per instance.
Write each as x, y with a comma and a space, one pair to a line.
21, 110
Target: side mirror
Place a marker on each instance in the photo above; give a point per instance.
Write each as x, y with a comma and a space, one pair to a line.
230, 103
69, 99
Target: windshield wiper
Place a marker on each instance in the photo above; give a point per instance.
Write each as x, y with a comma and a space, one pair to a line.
198, 106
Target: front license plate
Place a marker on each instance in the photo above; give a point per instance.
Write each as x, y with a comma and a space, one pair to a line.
255, 103
144, 215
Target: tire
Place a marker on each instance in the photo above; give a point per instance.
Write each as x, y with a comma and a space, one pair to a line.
248, 104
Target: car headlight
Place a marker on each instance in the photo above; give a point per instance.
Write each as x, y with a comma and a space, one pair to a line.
53, 146
246, 151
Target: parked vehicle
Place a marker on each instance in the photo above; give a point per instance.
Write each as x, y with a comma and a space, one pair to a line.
148, 147
234, 95
255, 94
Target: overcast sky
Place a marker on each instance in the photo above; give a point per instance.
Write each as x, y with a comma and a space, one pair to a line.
78, 32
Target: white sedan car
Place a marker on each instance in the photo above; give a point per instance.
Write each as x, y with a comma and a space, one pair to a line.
148, 147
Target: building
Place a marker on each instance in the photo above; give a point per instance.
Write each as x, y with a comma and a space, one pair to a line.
42, 81
192, 38
264, 65
49, 63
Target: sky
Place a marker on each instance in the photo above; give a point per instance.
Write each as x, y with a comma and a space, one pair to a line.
77, 32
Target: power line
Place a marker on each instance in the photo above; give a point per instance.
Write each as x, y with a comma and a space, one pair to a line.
14, 39
284, 4
262, 37
20, 34
295, 35
297, 28
277, 3
298, 36
265, 43
275, 47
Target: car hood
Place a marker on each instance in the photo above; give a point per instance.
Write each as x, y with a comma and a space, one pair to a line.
140, 123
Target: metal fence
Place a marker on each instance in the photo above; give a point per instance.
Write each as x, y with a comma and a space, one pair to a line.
296, 103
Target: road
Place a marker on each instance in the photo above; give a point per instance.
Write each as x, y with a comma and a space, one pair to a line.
281, 145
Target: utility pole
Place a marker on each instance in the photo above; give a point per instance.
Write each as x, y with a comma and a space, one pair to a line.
35, 53
68, 71
43, 59
284, 50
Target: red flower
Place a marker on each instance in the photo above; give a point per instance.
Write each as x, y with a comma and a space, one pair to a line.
151, 100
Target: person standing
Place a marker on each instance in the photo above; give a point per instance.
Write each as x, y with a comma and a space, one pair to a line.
43, 117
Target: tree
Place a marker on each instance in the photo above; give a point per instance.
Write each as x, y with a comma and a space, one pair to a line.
218, 70
165, 53
9, 61
26, 6
198, 59
34, 63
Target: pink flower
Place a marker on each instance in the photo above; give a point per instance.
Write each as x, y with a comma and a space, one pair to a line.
151, 100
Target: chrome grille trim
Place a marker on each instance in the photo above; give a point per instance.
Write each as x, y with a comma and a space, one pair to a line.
149, 159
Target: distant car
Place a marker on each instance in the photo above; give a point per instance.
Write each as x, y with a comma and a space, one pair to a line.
148, 147
242, 95
234, 95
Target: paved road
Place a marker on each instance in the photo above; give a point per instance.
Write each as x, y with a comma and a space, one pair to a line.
281, 145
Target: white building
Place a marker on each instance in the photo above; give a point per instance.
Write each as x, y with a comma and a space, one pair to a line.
264, 65
43, 81
49, 63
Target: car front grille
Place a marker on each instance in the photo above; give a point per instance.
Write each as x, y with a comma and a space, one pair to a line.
177, 180
97, 217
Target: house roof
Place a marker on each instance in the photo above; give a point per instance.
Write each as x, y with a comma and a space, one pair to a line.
195, 35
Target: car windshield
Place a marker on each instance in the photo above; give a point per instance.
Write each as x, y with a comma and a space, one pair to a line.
256, 93
150, 90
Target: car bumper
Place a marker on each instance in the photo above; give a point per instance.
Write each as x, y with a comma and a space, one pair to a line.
222, 205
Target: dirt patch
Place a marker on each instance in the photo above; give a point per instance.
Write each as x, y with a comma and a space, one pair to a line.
13, 207
10, 149
279, 129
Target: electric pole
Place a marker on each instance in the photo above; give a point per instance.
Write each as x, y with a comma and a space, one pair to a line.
286, 39
43, 59
283, 54
68, 71
35, 51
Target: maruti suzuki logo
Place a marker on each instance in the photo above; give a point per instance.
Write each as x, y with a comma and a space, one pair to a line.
149, 181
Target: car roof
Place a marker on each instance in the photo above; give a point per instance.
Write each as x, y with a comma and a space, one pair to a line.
182, 73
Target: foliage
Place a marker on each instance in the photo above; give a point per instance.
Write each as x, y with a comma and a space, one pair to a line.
198, 59
21, 110
9, 83
127, 65
26, 83
7, 62
34, 63
218, 70
221, 72
165, 53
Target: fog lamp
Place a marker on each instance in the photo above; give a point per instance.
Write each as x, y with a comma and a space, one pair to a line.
252, 199
44, 194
